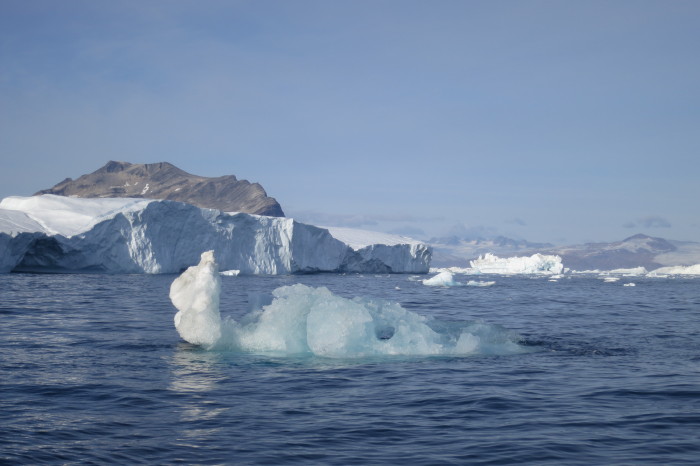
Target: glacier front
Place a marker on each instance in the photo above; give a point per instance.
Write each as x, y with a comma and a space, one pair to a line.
51, 233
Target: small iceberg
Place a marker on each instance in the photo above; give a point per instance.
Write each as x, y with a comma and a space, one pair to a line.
442, 279
479, 283
302, 320
633, 272
535, 264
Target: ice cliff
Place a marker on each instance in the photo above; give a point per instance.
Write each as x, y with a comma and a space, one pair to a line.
51, 233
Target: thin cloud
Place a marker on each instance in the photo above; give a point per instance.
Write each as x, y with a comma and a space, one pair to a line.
652, 221
353, 220
516, 221
472, 232
408, 231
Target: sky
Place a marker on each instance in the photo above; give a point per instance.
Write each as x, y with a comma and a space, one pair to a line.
550, 121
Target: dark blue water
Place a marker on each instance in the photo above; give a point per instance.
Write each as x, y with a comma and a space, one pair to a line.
92, 370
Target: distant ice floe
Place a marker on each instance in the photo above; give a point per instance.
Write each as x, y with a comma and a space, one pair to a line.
479, 283
302, 320
535, 264
633, 272
552, 267
442, 279
492, 264
230, 273
678, 270
663, 272
446, 279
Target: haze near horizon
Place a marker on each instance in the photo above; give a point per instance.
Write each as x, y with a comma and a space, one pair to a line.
550, 121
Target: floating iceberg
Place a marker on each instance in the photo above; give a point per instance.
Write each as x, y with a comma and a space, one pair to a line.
442, 279
313, 321
479, 283
633, 272
662, 272
453, 270
195, 294
397, 253
60, 234
535, 264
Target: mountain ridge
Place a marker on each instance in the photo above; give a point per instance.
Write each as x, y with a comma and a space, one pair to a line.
164, 180
638, 250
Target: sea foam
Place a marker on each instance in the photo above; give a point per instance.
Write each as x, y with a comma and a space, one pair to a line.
303, 320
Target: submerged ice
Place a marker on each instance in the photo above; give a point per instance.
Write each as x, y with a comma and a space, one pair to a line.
302, 320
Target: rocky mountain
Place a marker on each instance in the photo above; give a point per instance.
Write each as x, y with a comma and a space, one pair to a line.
166, 181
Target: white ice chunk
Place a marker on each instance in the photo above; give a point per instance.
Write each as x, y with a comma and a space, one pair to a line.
479, 283
633, 272
442, 279
535, 264
678, 270
195, 294
302, 320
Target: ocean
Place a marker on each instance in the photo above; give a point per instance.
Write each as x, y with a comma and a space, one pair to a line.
92, 370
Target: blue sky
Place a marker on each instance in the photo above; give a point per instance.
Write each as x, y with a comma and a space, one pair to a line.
545, 120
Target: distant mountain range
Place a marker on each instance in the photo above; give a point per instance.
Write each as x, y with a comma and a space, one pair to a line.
635, 251
227, 193
459, 250
166, 181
